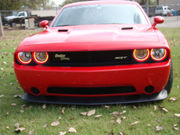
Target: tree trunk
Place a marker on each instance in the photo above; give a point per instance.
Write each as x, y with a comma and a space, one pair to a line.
1, 27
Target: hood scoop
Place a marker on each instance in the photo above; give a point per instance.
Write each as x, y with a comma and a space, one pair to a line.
63, 30
127, 28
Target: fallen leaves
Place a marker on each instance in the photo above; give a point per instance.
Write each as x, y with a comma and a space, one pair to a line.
175, 127
123, 112
1, 95
118, 121
155, 107
2, 69
123, 117
159, 128
91, 112
97, 116
16, 125
177, 115
172, 99
134, 107
13, 104
44, 106
72, 130
121, 133
55, 123
106, 106
62, 133
17, 96
21, 111
134, 123
83, 113
4, 62
165, 110
31, 132
18, 129
45, 125
115, 113
63, 110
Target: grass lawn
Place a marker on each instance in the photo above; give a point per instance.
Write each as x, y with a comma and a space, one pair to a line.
37, 121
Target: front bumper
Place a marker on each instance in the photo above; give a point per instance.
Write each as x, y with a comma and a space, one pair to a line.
139, 76
96, 100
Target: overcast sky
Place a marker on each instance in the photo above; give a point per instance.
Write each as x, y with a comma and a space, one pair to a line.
58, 1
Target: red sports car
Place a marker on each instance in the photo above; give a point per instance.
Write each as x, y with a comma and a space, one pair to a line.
96, 52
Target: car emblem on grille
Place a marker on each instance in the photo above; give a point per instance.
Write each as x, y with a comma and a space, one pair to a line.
62, 57
120, 57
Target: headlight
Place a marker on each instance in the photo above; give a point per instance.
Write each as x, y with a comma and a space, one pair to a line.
141, 54
24, 57
40, 57
158, 54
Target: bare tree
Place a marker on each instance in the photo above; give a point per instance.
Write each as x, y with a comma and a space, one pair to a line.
18, 4
1, 27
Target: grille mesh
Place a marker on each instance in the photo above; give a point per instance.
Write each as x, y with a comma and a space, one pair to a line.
91, 91
95, 58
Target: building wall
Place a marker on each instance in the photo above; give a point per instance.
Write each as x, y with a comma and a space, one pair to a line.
174, 4
43, 13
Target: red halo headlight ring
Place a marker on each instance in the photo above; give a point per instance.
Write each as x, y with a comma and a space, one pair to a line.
141, 55
40, 57
158, 54
24, 57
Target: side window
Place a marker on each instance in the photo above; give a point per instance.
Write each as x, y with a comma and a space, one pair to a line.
21, 14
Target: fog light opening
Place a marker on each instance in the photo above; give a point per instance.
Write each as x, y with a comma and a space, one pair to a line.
35, 91
149, 89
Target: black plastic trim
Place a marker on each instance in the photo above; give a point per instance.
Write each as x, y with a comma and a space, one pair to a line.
95, 100
91, 91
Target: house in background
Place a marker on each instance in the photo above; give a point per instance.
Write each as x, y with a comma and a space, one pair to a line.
174, 4
150, 8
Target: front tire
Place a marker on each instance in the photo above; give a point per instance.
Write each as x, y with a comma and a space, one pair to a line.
170, 80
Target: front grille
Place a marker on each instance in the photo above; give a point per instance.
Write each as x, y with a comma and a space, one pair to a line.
91, 91
90, 58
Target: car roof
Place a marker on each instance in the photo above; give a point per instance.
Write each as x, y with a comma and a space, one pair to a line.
91, 2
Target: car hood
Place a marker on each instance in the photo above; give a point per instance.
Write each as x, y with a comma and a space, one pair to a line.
10, 17
92, 38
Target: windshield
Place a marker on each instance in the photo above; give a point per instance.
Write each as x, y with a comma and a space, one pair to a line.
100, 14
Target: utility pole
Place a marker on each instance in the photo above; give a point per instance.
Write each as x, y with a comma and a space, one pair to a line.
157, 2
1, 27
147, 7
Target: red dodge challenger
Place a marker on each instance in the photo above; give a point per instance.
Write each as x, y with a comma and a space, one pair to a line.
96, 52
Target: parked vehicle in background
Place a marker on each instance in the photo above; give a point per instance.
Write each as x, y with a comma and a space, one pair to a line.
22, 14
163, 10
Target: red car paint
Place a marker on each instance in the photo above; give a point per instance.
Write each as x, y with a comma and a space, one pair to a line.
95, 38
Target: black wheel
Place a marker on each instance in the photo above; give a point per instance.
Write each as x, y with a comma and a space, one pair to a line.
170, 80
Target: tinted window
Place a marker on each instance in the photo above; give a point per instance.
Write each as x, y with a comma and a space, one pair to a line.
21, 14
100, 14
159, 8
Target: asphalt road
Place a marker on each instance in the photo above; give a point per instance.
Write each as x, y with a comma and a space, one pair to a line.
171, 22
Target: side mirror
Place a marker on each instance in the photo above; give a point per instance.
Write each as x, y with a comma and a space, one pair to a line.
158, 20
44, 24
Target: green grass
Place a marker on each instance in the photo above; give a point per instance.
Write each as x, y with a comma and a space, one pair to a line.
34, 117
